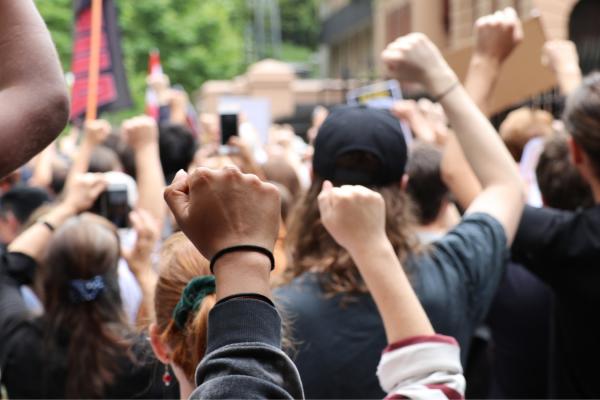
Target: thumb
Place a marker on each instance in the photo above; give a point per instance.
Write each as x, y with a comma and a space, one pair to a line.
324, 198
177, 196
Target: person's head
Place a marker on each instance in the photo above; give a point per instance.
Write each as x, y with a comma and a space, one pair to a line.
559, 182
582, 121
278, 170
177, 148
16, 206
82, 303
104, 159
522, 125
425, 184
180, 341
116, 143
355, 146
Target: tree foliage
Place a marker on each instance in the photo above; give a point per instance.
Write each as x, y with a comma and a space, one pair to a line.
300, 22
198, 40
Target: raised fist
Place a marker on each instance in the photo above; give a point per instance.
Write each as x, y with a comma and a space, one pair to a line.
415, 58
140, 131
97, 131
498, 34
353, 215
223, 208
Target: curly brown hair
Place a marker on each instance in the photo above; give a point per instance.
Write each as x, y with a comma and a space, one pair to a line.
310, 247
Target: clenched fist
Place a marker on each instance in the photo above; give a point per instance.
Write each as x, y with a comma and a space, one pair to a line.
140, 131
97, 131
415, 58
223, 208
353, 215
498, 34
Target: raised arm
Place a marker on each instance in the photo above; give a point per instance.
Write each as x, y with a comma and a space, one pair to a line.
80, 196
414, 57
416, 360
561, 56
94, 133
141, 133
34, 104
217, 210
496, 36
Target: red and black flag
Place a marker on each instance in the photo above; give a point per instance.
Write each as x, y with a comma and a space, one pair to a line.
113, 91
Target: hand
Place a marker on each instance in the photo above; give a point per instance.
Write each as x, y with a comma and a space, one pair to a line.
97, 131
140, 131
243, 148
409, 111
561, 56
219, 209
353, 215
83, 191
159, 83
415, 58
147, 230
498, 34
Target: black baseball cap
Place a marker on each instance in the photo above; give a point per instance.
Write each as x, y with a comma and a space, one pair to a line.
350, 129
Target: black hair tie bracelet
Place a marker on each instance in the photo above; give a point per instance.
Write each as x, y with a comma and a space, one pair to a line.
245, 247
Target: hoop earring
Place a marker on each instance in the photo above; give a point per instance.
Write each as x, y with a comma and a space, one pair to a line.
167, 378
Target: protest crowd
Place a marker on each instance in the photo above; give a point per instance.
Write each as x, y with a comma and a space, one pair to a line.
155, 260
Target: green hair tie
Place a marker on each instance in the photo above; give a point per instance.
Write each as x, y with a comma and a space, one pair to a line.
191, 298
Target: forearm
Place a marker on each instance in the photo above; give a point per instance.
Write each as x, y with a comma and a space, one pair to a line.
81, 161
34, 240
458, 175
42, 173
480, 81
147, 282
33, 93
402, 313
150, 181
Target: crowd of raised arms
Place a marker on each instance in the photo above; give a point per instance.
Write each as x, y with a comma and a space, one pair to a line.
356, 265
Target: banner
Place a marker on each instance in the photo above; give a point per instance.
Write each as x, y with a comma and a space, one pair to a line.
113, 91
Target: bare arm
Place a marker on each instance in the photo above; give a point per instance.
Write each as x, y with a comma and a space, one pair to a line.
561, 56
33, 95
95, 132
141, 133
497, 35
80, 197
414, 57
355, 218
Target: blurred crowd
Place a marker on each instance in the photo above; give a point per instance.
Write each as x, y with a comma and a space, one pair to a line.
167, 259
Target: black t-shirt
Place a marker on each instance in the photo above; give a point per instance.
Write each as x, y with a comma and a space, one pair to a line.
338, 340
563, 249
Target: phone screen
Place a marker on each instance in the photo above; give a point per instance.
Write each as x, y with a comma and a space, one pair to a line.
113, 205
229, 127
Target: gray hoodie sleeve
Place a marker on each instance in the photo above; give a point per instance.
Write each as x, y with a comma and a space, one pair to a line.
243, 356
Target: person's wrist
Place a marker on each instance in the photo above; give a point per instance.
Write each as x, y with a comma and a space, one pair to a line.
486, 61
242, 272
143, 148
440, 79
368, 245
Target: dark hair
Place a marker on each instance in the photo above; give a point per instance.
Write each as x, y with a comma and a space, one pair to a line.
123, 151
559, 180
311, 248
85, 247
104, 159
22, 201
177, 148
582, 118
425, 185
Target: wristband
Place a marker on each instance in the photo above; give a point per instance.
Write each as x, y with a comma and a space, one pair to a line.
245, 247
440, 97
48, 225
